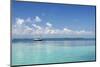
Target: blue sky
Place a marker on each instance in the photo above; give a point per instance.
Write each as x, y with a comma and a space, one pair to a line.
60, 16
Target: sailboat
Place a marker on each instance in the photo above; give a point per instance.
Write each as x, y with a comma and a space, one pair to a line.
37, 39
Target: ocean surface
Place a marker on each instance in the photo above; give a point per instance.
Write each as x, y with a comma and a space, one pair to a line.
27, 51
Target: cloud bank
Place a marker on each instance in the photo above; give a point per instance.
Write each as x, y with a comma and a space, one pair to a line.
31, 27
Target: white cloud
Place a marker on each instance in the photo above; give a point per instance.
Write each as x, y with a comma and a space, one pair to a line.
22, 28
67, 30
37, 19
28, 28
83, 32
49, 24
19, 21
37, 27
49, 31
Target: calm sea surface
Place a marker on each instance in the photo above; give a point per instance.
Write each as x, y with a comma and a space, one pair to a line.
41, 52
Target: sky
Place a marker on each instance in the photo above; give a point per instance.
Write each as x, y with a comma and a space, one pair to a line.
30, 19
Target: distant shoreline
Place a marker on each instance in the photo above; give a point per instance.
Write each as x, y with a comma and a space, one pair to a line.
50, 39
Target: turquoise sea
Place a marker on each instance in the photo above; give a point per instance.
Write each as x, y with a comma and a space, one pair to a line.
25, 52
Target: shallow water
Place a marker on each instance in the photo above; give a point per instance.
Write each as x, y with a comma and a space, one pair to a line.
42, 52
